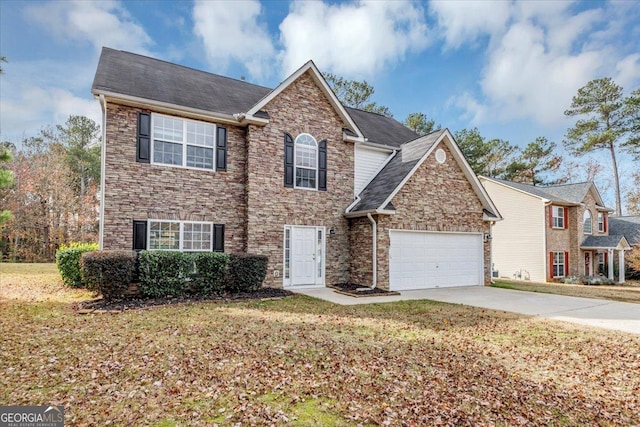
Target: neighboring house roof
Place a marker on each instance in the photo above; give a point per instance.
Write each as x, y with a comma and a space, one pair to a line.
380, 129
628, 226
132, 75
565, 194
612, 241
377, 195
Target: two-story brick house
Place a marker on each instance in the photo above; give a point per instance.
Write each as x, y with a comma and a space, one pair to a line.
551, 232
194, 161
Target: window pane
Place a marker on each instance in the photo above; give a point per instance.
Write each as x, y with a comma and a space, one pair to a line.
200, 134
167, 128
199, 157
306, 157
164, 235
167, 153
305, 178
197, 236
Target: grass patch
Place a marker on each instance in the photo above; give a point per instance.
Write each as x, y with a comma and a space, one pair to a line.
301, 361
623, 293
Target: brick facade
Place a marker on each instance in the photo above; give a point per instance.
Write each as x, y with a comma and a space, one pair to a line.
438, 197
301, 108
569, 239
142, 191
251, 200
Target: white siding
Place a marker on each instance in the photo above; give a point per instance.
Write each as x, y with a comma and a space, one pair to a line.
367, 162
518, 240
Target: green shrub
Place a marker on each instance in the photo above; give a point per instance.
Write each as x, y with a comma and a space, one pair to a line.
246, 272
68, 262
108, 272
164, 273
588, 280
210, 270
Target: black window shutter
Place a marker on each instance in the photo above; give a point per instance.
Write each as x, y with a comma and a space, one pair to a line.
139, 235
288, 160
218, 237
143, 146
322, 165
221, 149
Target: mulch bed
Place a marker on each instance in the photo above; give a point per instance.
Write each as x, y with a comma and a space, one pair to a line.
354, 290
101, 305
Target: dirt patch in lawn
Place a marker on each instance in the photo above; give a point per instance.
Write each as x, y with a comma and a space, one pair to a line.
361, 291
101, 305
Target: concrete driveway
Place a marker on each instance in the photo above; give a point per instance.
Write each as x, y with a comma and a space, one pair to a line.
620, 316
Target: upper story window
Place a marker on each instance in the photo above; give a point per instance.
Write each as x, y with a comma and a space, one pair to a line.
557, 216
601, 226
588, 226
306, 161
182, 142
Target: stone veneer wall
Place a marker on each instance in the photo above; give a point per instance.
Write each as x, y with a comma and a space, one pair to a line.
438, 197
300, 108
361, 244
142, 191
561, 239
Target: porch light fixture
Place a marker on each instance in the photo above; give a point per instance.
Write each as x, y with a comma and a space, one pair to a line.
487, 237
332, 232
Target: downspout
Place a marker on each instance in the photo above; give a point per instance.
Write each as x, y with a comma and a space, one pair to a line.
374, 230
103, 155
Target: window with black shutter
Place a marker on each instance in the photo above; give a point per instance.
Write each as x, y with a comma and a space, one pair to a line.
322, 165
221, 149
288, 160
143, 146
218, 238
139, 235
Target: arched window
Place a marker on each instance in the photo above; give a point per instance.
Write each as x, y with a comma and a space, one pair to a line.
306, 155
588, 226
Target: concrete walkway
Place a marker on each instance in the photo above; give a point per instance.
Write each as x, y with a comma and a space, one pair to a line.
620, 316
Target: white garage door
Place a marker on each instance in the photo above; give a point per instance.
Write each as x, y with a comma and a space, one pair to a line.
420, 260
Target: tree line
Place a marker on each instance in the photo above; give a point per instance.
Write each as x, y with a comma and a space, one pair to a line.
607, 121
49, 190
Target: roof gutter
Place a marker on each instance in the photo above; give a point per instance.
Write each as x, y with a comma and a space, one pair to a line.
167, 107
370, 211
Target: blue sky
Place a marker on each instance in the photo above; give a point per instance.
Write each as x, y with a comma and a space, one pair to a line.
509, 68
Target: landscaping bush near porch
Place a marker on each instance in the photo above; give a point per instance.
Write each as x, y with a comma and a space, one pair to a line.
588, 280
164, 273
68, 262
108, 272
246, 272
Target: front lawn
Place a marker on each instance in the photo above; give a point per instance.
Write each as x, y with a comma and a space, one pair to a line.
626, 293
300, 361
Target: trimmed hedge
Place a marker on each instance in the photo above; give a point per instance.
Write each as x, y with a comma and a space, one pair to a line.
587, 280
210, 270
164, 273
246, 272
108, 272
68, 262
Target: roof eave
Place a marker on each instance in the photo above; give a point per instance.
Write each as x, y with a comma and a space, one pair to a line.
358, 214
166, 107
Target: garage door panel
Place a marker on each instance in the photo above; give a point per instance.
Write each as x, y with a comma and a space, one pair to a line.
420, 260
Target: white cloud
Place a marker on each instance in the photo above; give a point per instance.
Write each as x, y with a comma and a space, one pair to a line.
351, 39
466, 21
231, 31
101, 23
535, 65
28, 108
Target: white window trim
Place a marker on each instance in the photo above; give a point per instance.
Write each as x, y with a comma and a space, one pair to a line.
600, 222
555, 210
184, 143
319, 280
584, 222
562, 263
295, 166
181, 237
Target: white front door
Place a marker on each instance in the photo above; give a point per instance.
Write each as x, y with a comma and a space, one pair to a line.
304, 264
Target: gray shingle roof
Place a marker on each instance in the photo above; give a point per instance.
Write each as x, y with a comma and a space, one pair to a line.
628, 226
381, 129
140, 76
394, 172
566, 193
602, 242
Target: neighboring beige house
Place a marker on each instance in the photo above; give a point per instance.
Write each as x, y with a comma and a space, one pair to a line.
194, 161
551, 232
